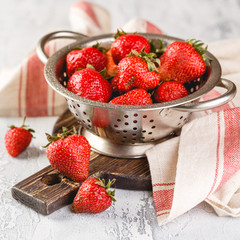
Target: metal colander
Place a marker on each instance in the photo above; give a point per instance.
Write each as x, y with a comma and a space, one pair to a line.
128, 131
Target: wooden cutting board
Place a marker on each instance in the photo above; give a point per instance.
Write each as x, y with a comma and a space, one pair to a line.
47, 190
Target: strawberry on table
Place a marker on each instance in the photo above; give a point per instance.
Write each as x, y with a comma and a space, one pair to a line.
17, 139
79, 58
169, 91
136, 96
125, 43
89, 83
69, 154
93, 196
183, 61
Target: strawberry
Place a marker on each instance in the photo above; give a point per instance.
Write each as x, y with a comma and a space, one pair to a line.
133, 72
169, 91
183, 61
111, 66
114, 83
123, 45
136, 96
89, 83
93, 196
17, 139
100, 117
69, 154
79, 58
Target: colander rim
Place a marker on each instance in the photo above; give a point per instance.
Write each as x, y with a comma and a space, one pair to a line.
49, 72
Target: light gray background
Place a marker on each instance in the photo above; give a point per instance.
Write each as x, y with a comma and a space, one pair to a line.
22, 23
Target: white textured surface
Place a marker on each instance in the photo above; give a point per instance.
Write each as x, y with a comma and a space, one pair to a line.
22, 23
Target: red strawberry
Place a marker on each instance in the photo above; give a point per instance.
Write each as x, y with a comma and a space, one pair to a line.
111, 66
89, 83
133, 72
93, 196
78, 59
169, 91
70, 155
100, 117
17, 139
114, 83
136, 96
182, 61
124, 44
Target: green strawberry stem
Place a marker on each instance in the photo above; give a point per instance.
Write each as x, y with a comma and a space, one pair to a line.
90, 66
24, 126
103, 72
99, 47
150, 58
157, 47
77, 48
198, 46
65, 132
101, 182
119, 33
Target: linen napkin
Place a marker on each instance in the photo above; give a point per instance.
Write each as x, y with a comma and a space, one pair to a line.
202, 164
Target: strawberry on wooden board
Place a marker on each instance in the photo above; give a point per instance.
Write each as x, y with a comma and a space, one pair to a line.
183, 61
93, 196
89, 83
169, 91
79, 58
17, 139
136, 96
125, 43
69, 154
133, 72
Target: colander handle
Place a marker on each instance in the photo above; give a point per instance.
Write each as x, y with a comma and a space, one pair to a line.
216, 102
54, 35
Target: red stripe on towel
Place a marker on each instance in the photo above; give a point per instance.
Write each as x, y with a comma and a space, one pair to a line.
152, 28
215, 94
160, 214
20, 93
36, 89
231, 143
88, 9
163, 199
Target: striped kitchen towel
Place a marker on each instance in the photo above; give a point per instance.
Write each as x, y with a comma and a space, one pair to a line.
203, 163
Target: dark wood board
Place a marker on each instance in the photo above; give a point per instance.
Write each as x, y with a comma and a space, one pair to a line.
47, 190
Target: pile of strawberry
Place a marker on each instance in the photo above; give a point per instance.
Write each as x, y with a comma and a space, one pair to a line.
133, 71
69, 153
